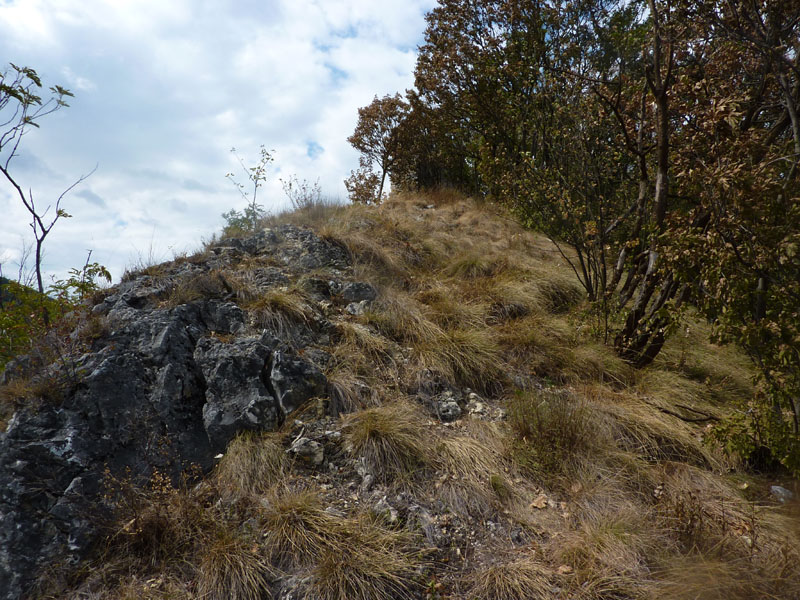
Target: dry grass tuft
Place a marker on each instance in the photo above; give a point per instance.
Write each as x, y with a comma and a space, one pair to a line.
608, 548
359, 344
349, 392
700, 576
551, 431
372, 568
520, 579
201, 286
728, 545
661, 384
513, 298
476, 265
393, 440
439, 197
296, 527
141, 588
252, 464
466, 354
22, 391
156, 524
279, 310
702, 511
598, 363
401, 319
540, 345
642, 427
470, 357
348, 557
314, 213
725, 373
448, 310
473, 480
231, 568
558, 289
365, 239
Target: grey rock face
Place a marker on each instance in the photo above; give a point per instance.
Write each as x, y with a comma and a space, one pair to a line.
161, 391
298, 249
141, 393
294, 380
237, 396
358, 291
448, 410
781, 494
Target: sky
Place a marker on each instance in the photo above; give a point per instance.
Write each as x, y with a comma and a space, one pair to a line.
164, 89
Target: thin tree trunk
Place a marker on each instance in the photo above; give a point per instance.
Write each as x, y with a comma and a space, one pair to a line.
642, 336
380, 188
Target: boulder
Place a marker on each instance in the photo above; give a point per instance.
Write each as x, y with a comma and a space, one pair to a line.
448, 410
357, 309
781, 494
237, 393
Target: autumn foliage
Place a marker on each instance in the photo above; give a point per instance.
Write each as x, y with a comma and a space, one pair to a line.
656, 142
378, 138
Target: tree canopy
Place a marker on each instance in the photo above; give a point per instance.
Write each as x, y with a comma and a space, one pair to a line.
656, 142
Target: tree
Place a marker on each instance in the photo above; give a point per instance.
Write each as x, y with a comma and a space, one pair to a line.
21, 107
555, 103
658, 143
738, 163
363, 184
432, 152
27, 316
377, 137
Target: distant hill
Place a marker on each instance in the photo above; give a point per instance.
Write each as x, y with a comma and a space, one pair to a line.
6, 289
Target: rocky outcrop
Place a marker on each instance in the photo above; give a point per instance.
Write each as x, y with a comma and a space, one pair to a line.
167, 388
237, 392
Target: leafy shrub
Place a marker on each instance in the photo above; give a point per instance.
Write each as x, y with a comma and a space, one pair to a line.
302, 194
27, 316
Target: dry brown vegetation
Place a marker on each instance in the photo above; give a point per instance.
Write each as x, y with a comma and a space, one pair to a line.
252, 464
581, 477
513, 578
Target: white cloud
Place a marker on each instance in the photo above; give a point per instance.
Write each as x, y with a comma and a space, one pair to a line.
26, 23
163, 90
77, 82
8, 256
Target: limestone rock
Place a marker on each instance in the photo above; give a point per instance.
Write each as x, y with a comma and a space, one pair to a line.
167, 387
294, 380
358, 291
357, 308
781, 494
237, 397
448, 410
308, 451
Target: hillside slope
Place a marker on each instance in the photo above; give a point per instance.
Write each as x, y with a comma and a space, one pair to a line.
404, 401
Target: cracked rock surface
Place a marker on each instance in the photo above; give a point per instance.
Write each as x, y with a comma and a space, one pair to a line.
168, 386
